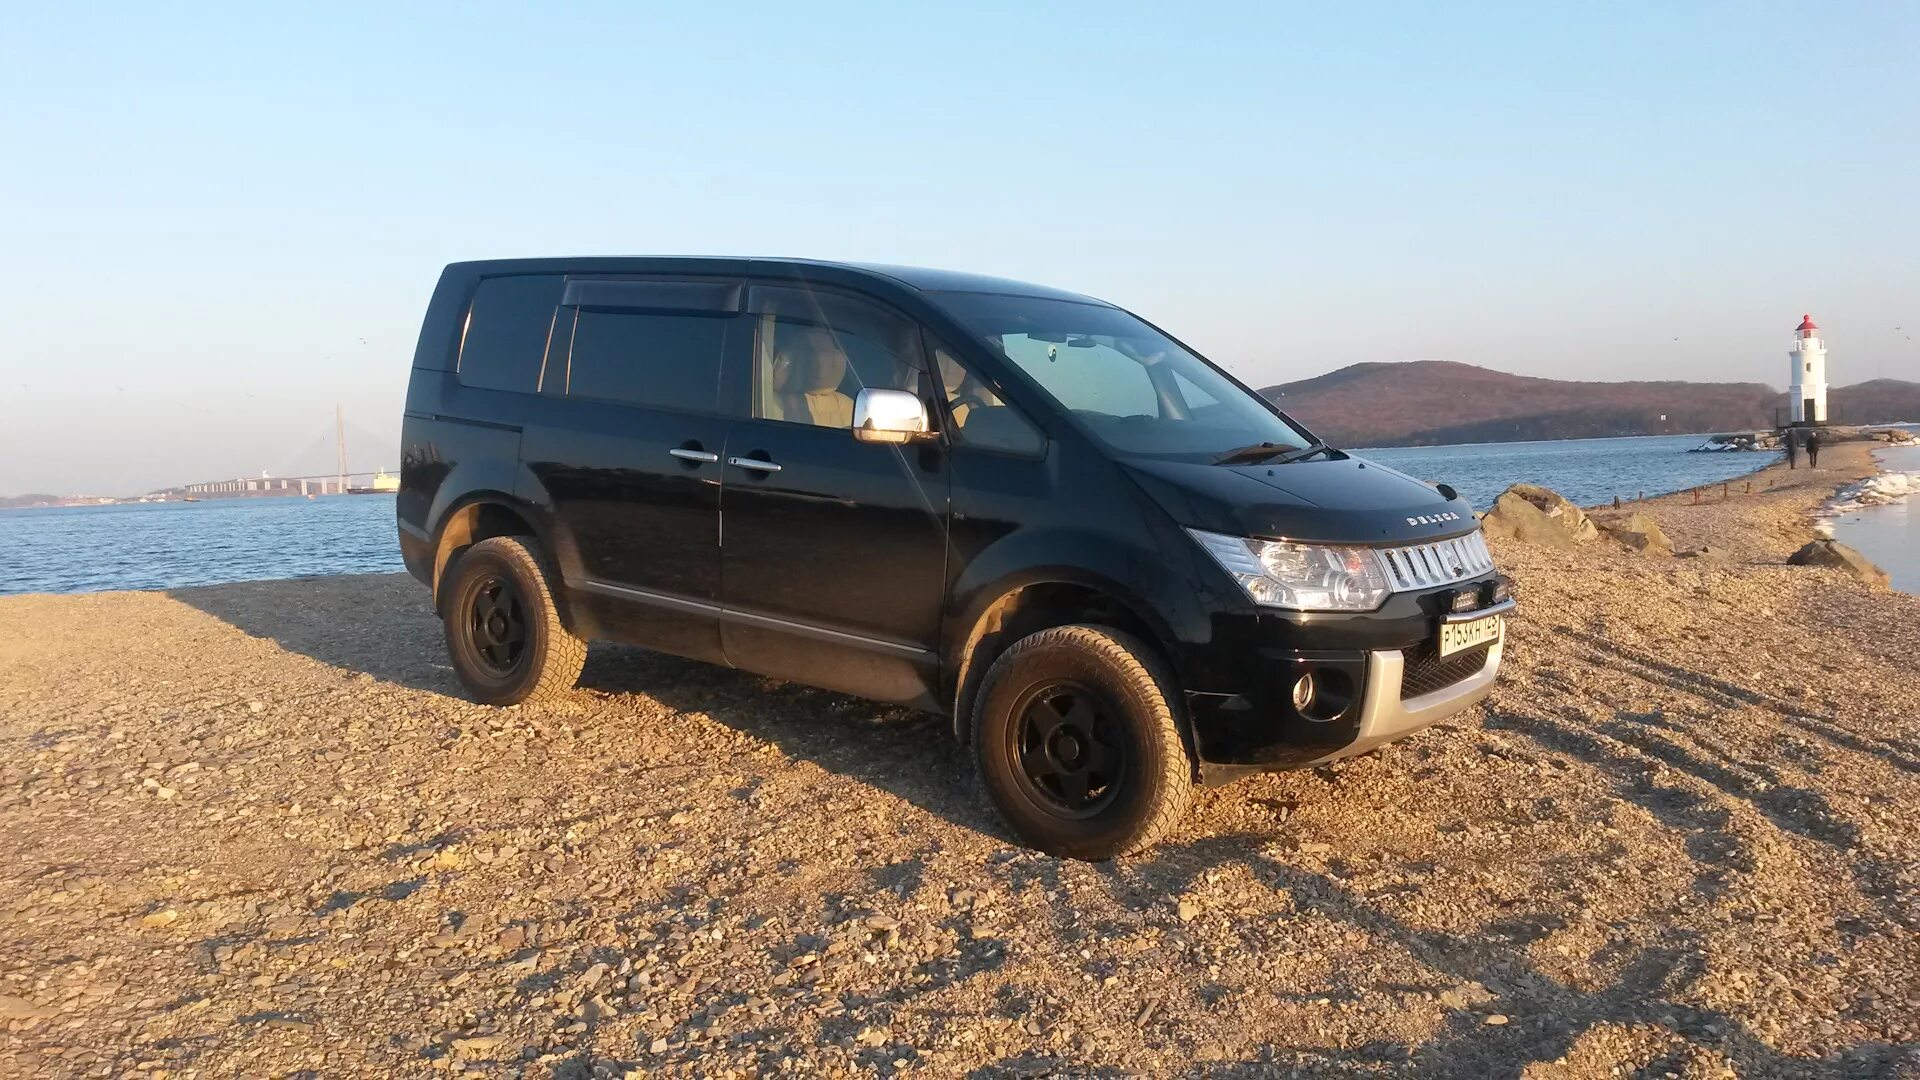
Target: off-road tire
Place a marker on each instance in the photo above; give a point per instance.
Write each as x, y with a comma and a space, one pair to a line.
548, 662
1156, 781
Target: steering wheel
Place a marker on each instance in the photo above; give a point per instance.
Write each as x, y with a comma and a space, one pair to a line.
967, 400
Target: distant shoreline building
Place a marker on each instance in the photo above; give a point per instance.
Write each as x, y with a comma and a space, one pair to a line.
1807, 390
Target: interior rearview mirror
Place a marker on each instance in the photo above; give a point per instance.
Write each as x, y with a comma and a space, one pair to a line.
889, 416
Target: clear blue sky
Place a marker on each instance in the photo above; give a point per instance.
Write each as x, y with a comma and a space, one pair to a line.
216, 222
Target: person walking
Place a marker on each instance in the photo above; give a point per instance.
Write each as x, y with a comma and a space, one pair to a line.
1793, 448
1813, 449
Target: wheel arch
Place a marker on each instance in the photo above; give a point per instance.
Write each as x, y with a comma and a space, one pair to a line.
1038, 601
477, 516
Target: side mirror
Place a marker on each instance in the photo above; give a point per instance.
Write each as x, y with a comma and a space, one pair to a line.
889, 416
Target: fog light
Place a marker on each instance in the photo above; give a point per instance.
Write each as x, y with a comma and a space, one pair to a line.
1303, 693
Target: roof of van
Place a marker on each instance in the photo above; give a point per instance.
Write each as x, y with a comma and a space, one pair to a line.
913, 277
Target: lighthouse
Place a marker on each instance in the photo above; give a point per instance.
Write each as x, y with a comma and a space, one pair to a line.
1807, 390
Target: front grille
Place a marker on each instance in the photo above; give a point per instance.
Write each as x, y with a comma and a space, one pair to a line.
1423, 670
1443, 562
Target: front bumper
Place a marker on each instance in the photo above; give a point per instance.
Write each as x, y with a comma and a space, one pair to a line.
1386, 716
1396, 682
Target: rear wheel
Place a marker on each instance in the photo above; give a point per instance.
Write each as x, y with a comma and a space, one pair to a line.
1077, 745
504, 633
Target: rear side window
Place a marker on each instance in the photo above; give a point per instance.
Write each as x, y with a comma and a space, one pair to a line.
506, 335
665, 361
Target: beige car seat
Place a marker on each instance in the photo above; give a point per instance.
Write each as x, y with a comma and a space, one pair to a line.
953, 377
806, 381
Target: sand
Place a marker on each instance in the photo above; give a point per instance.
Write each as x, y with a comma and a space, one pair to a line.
253, 830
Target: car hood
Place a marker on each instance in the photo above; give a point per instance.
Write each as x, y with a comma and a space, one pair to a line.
1346, 500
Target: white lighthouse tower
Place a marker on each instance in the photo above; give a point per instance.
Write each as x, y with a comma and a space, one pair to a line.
1807, 392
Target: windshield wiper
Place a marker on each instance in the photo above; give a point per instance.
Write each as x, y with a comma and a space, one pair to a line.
1247, 455
1304, 454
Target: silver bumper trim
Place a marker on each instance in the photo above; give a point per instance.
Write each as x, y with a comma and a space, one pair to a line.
1384, 717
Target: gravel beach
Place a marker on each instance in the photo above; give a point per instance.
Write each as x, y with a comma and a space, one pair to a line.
254, 830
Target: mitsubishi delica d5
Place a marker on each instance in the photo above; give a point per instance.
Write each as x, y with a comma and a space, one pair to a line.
1116, 569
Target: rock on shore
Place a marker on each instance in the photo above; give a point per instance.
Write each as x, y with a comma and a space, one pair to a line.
1543, 517
1638, 531
1536, 515
253, 830
1833, 553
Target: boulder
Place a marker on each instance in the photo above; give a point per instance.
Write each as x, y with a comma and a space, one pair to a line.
1641, 533
1559, 508
1515, 517
1833, 553
1548, 510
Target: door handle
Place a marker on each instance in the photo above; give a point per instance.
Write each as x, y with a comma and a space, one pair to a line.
754, 463
704, 457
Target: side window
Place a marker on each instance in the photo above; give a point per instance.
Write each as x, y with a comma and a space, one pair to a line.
814, 352
980, 418
506, 334
666, 361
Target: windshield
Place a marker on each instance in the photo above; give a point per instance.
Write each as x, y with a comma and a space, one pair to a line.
1131, 386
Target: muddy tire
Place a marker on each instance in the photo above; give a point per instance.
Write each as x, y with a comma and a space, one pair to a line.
1078, 745
504, 633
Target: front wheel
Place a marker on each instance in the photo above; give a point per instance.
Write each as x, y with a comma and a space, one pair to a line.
504, 633
1075, 738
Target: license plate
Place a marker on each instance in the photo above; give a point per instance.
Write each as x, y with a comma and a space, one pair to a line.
1457, 636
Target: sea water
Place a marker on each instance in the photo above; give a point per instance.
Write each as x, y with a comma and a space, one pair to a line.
169, 545
1588, 471
1888, 535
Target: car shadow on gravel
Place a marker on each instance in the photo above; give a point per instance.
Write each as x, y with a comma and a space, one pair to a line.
381, 625
908, 753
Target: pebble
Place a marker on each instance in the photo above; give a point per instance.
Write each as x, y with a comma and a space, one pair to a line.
507, 891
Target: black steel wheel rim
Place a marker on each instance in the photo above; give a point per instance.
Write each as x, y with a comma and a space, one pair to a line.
1070, 748
497, 625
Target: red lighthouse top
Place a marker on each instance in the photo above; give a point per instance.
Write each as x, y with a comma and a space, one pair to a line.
1806, 324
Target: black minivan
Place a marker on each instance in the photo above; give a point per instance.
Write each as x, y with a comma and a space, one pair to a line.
1118, 570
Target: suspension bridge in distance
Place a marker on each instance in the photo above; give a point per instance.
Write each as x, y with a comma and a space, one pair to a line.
374, 482
305, 474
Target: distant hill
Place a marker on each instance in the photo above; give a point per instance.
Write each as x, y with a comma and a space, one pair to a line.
13, 501
1879, 401
1427, 402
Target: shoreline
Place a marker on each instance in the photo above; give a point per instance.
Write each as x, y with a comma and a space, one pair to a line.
1882, 468
252, 829
1880, 516
1777, 506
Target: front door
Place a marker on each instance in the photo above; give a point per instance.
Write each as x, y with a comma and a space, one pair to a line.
623, 446
833, 551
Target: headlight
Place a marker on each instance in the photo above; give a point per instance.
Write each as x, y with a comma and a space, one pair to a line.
1304, 577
